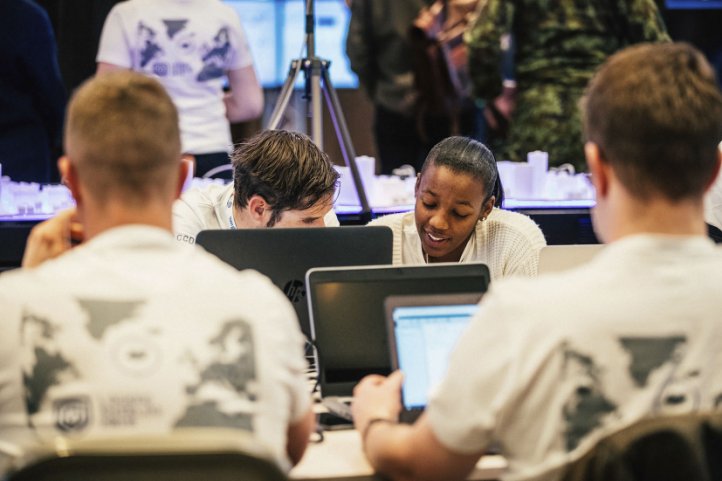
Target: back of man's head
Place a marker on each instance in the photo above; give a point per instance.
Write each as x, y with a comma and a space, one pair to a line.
123, 138
655, 111
285, 168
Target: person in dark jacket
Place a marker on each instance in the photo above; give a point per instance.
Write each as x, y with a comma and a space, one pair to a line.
32, 95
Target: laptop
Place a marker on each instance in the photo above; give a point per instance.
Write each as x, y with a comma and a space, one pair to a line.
348, 322
423, 331
556, 258
285, 254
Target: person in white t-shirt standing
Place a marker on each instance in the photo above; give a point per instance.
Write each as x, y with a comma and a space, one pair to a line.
280, 179
130, 333
549, 365
191, 47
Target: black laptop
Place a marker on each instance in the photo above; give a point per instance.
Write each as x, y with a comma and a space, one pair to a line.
286, 254
348, 319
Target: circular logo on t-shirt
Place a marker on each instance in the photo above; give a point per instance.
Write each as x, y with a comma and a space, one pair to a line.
136, 355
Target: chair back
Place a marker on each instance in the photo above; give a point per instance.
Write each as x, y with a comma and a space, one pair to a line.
194, 455
669, 448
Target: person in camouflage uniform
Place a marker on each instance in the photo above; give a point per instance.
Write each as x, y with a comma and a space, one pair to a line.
559, 44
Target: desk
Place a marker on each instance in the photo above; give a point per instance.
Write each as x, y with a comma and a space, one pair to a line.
561, 221
339, 456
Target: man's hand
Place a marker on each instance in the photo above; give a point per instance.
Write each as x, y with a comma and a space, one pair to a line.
52, 238
376, 397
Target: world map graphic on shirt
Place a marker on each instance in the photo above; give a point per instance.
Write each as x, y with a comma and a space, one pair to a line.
175, 55
588, 405
224, 393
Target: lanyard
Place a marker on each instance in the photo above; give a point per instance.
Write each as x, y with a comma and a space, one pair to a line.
229, 212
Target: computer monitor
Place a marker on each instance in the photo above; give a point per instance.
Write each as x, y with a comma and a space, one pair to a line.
276, 34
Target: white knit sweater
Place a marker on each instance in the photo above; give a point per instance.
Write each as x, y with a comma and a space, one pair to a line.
507, 242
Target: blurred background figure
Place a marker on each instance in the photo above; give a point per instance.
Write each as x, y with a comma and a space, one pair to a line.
191, 47
380, 53
558, 45
32, 95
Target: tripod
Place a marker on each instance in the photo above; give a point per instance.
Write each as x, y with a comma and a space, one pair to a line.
315, 71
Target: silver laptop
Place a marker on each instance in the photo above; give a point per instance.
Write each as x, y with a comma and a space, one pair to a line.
348, 321
423, 331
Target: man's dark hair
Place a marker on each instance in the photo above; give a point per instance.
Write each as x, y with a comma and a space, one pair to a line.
285, 168
655, 111
467, 156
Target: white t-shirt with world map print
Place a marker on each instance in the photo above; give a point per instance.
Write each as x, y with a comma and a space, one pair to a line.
188, 45
133, 333
551, 364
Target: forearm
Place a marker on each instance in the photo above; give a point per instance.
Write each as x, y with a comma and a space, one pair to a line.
297, 437
245, 99
246, 108
413, 453
387, 447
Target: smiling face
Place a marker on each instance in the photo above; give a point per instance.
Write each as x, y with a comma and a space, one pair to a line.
448, 205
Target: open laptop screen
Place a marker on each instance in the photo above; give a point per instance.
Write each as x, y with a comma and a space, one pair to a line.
348, 318
285, 254
423, 338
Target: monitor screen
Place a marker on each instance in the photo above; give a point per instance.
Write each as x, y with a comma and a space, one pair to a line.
425, 338
276, 34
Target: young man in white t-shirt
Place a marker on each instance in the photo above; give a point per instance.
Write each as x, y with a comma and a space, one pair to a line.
280, 179
130, 333
549, 365
191, 47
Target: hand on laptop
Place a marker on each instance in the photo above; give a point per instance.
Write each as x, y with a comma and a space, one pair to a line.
377, 397
52, 238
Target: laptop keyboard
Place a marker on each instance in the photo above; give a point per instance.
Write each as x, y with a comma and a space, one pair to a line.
339, 406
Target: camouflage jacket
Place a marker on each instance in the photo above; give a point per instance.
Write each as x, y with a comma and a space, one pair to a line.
557, 41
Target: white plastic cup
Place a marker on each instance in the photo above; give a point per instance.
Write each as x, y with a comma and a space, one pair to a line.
539, 162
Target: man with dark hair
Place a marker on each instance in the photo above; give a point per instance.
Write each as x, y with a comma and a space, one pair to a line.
123, 334
549, 365
280, 179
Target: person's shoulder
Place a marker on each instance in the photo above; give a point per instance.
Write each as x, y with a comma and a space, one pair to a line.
221, 11
204, 196
129, 6
507, 222
30, 8
25, 284
198, 260
547, 296
18, 15
392, 220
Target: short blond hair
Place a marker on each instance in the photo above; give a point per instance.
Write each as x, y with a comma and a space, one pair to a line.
122, 134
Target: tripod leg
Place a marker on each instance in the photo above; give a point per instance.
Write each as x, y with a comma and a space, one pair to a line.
285, 96
344, 140
316, 106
